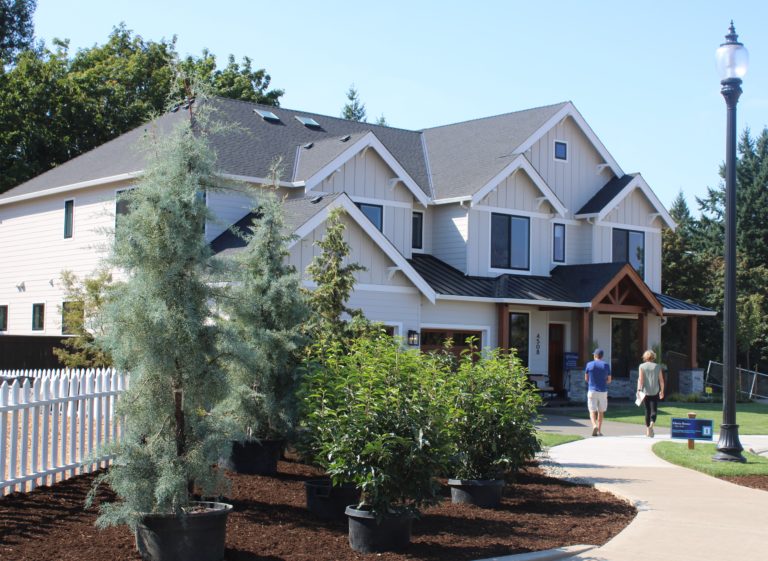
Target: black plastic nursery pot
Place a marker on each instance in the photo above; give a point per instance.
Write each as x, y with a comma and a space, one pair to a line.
197, 536
254, 457
367, 535
485, 493
329, 502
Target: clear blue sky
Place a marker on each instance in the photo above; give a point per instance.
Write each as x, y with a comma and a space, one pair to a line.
641, 73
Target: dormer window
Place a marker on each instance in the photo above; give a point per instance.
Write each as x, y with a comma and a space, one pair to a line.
561, 151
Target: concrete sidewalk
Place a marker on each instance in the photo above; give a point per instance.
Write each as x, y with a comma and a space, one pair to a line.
683, 515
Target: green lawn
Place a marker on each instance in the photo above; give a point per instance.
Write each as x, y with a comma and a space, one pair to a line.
751, 417
700, 459
550, 439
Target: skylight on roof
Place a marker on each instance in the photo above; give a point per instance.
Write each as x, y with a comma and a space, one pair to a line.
308, 121
267, 115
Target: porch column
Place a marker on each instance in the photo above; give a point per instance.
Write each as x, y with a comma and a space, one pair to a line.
584, 336
693, 335
643, 325
503, 315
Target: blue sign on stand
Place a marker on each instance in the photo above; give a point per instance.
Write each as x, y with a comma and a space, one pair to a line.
692, 429
570, 361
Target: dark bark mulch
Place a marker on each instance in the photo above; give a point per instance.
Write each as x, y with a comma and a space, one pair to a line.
754, 481
270, 523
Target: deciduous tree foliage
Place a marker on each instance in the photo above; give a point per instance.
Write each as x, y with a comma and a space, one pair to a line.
55, 105
16, 31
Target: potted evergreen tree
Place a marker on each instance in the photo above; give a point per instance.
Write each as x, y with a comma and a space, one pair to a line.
492, 424
266, 309
382, 427
158, 328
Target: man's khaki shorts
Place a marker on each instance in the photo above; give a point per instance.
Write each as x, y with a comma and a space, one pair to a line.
597, 401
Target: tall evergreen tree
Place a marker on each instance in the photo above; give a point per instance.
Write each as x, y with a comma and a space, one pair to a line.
334, 277
354, 109
159, 330
266, 309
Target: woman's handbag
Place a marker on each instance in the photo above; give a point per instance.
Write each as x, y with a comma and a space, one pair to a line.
639, 397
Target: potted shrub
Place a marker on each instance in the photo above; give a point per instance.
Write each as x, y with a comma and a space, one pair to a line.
492, 424
382, 427
157, 328
266, 308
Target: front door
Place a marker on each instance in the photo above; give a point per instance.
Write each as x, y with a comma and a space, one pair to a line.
556, 350
625, 346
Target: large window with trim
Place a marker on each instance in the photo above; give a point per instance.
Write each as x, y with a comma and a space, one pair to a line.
375, 214
629, 247
510, 242
519, 337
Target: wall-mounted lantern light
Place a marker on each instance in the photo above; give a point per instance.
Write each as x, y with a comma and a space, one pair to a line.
413, 338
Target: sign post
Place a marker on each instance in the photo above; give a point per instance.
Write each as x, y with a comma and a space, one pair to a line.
691, 429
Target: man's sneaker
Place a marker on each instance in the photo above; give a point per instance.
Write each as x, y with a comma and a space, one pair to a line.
594, 431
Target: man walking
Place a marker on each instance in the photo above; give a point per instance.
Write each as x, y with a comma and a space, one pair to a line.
598, 375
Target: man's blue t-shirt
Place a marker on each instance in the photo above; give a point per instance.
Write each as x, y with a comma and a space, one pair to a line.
598, 372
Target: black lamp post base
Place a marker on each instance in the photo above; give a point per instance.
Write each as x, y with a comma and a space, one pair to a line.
728, 447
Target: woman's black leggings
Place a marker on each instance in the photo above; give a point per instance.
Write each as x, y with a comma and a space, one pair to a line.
651, 408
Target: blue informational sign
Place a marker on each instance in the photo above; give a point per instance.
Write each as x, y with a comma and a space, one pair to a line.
692, 429
570, 361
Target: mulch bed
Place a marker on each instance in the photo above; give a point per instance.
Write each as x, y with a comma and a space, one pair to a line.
270, 523
754, 481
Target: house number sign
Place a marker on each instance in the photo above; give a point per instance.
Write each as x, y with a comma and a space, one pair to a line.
538, 343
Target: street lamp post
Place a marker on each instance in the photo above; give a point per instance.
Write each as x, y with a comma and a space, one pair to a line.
732, 59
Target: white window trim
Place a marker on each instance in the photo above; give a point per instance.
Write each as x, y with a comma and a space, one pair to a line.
383, 212
381, 202
527, 271
565, 243
554, 151
423, 218
32, 317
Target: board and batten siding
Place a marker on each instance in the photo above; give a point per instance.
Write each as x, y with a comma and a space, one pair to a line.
603, 246
367, 178
399, 309
578, 244
576, 180
34, 252
450, 232
362, 251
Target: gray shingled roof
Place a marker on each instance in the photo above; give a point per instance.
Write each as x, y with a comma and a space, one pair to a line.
248, 148
296, 213
606, 194
464, 156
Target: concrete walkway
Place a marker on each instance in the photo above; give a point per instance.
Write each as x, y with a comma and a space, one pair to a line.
683, 515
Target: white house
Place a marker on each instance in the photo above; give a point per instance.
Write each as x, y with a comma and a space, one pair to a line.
520, 229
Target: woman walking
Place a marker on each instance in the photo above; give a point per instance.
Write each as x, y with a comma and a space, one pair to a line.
651, 382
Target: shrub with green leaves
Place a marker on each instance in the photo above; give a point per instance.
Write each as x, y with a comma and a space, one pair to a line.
377, 421
492, 415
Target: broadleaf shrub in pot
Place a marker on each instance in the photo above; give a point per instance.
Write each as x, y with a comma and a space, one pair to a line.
493, 411
378, 421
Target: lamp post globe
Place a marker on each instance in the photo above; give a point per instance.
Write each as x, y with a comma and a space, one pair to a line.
732, 60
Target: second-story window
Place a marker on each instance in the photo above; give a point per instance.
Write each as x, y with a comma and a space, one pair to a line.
375, 214
38, 317
629, 246
558, 243
417, 238
561, 151
510, 242
69, 216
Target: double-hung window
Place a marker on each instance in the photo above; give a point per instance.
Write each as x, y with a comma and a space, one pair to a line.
510, 242
629, 246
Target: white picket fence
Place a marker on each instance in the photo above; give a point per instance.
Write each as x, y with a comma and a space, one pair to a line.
54, 422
